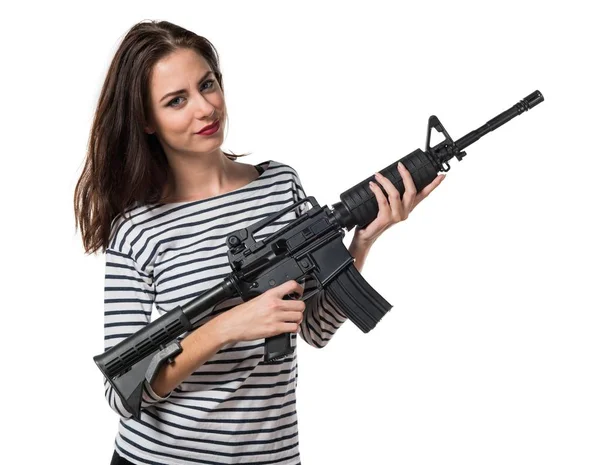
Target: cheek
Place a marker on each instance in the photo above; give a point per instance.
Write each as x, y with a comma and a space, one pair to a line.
175, 123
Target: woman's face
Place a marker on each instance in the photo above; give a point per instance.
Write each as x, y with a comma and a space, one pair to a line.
185, 97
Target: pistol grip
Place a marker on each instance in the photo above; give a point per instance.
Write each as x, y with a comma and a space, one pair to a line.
277, 347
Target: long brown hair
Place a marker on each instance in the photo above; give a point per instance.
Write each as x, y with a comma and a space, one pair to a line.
125, 165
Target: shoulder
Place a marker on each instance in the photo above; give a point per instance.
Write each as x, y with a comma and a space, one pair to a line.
277, 167
126, 226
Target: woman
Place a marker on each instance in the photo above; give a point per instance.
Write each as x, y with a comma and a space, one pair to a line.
159, 196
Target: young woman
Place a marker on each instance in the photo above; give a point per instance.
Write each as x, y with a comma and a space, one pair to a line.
159, 196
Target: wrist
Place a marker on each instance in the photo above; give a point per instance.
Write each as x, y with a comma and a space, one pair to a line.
221, 330
358, 247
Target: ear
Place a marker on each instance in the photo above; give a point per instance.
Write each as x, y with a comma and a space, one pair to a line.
148, 123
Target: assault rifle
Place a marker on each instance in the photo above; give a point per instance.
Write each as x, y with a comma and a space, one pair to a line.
310, 245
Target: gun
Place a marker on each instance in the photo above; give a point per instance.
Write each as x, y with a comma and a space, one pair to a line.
310, 245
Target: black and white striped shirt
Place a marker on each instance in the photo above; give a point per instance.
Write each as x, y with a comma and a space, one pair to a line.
234, 408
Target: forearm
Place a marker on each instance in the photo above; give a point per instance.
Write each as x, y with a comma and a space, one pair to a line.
197, 348
359, 252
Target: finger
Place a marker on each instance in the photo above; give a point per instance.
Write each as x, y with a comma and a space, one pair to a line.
294, 305
428, 189
295, 295
382, 203
410, 190
289, 328
302, 285
394, 200
295, 317
288, 287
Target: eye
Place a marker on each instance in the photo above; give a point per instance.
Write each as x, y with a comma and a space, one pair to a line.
170, 104
211, 81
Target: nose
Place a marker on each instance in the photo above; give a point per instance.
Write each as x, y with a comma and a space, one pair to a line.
203, 109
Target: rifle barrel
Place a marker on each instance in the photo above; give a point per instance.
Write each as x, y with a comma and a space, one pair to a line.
526, 104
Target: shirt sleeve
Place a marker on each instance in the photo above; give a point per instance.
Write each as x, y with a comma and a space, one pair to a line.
322, 317
128, 299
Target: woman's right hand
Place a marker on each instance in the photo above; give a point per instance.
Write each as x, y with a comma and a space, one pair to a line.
265, 315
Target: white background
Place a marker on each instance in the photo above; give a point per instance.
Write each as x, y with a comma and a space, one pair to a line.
491, 353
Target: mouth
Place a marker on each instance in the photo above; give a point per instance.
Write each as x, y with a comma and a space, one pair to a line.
210, 128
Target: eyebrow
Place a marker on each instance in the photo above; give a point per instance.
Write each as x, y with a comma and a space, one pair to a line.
181, 91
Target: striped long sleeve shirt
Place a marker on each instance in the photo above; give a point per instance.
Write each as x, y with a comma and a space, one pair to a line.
234, 408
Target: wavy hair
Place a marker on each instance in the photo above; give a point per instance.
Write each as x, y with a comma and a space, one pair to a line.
125, 165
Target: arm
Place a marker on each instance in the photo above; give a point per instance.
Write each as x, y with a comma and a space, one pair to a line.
129, 295
359, 252
322, 317
197, 348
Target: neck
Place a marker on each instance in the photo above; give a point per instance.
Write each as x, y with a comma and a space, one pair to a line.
198, 177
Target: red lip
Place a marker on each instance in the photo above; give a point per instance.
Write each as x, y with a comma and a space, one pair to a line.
209, 127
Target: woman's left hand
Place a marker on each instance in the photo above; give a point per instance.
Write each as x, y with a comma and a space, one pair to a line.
393, 209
